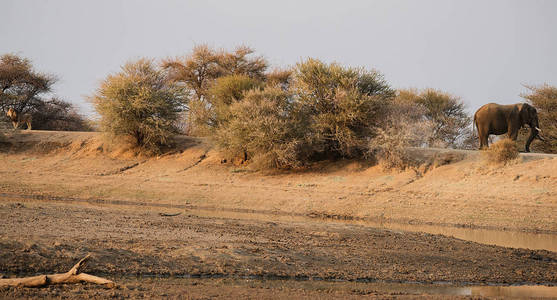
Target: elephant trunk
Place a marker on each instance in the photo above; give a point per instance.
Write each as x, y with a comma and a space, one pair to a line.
534, 132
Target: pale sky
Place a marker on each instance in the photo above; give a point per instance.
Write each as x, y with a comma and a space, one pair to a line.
482, 51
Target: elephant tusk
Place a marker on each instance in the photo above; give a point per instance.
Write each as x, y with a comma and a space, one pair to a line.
538, 129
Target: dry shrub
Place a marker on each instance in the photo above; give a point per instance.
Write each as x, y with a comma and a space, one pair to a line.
343, 105
544, 99
403, 126
139, 103
262, 128
446, 112
226, 91
279, 77
326, 111
442, 159
501, 152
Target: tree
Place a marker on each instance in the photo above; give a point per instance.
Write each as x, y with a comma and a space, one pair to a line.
141, 103
446, 112
544, 99
21, 87
195, 71
57, 114
239, 62
199, 70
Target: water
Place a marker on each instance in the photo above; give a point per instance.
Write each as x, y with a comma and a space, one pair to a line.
524, 291
513, 239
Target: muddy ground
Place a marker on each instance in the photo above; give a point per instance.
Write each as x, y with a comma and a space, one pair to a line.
63, 195
44, 237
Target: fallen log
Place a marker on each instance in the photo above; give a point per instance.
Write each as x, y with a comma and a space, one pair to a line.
74, 275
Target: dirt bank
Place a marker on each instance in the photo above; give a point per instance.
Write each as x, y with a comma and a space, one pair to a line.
459, 189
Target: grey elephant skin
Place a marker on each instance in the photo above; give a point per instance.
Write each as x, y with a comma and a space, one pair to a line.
494, 118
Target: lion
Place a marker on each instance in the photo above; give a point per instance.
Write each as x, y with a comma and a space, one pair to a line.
19, 119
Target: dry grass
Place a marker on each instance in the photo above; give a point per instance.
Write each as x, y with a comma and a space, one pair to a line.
501, 152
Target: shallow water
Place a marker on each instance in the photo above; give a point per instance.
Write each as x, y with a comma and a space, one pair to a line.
523, 291
513, 239
512, 291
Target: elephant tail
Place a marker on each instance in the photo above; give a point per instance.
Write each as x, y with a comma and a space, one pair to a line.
474, 126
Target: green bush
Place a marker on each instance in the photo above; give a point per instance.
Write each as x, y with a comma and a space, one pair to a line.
139, 102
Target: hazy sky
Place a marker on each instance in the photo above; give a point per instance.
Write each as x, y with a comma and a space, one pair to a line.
482, 51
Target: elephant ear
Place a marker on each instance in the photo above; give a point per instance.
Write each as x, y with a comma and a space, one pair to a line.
525, 113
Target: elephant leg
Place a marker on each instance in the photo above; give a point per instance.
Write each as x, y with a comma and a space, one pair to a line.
483, 135
486, 141
513, 132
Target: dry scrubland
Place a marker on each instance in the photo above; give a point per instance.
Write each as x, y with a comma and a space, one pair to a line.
309, 134
453, 188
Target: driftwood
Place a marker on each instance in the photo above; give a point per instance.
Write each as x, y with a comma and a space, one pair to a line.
74, 275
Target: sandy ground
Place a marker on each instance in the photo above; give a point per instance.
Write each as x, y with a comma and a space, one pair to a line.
462, 191
65, 195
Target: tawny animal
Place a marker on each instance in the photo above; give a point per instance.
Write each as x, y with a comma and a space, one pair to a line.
498, 119
19, 118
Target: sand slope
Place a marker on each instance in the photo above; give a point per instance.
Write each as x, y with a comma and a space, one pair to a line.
458, 189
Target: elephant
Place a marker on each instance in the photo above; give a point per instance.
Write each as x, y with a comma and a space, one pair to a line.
494, 118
